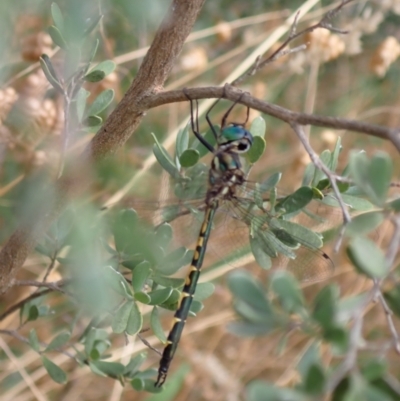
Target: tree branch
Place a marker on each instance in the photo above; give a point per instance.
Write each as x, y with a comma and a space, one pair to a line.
232, 93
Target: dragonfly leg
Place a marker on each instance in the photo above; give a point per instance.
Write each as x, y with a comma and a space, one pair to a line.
225, 117
195, 124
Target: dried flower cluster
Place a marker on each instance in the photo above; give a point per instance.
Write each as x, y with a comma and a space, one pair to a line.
324, 45
385, 55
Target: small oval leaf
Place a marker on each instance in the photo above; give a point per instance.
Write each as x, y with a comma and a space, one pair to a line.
135, 321
101, 102
367, 257
189, 158
155, 324
57, 37
257, 149
55, 372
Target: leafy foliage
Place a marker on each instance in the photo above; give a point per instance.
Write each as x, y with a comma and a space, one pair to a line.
122, 266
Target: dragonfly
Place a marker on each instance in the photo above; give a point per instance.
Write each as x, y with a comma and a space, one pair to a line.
227, 185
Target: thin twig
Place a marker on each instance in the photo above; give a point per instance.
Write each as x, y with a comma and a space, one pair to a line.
389, 318
279, 52
56, 285
332, 179
16, 335
390, 257
21, 303
298, 129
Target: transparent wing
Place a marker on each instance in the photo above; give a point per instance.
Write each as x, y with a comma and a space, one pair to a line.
238, 219
288, 244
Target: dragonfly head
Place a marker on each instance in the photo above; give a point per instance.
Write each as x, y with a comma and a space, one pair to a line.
237, 138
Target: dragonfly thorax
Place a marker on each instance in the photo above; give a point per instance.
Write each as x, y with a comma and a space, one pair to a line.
226, 172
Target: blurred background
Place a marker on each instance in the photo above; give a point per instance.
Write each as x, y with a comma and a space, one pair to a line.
353, 76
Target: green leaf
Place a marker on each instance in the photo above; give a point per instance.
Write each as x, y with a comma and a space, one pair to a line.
57, 16
93, 121
134, 364
92, 26
203, 291
364, 223
394, 205
164, 235
372, 176
106, 66
93, 51
252, 329
311, 356
157, 297
111, 369
296, 201
169, 281
317, 194
55, 372
354, 202
251, 314
189, 158
367, 257
279, 241
182, 141
195, 308
117, 282
271, 182
301, 234
392, 297
315, 380
59, 341
338, 337
319, 175
261, 391
348, 306
50, 73
287, 290
33, 340
335, 154
121, 317
57, 37
257, 149
81, 98
309, 173
380, 174
374, 369
140, 275
326, 305
33, 313
173, 300
138, 384
101, 102
246, 288
93, 337
262, 258
155, 325
258, 127
142, 297
175, 260
135, 321
164, 159
95, 76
